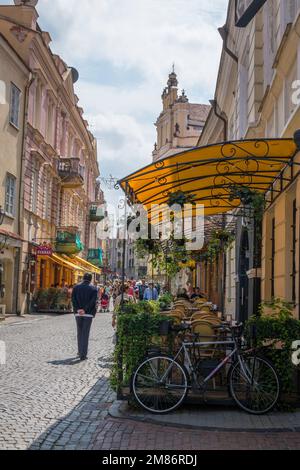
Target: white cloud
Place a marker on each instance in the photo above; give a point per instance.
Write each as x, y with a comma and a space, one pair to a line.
140, 38
144, 34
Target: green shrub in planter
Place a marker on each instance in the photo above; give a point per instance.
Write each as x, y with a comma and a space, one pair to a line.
41, 299
165, 301
138, 325
274, 331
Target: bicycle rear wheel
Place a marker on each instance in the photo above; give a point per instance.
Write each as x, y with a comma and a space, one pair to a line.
255, 386
160, 384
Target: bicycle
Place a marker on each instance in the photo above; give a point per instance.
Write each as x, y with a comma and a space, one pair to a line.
161, 383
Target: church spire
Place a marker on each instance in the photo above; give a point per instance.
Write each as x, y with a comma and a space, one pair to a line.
173, 82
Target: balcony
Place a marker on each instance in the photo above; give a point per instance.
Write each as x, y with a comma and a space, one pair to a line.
68, 241
97, 214
95, 256
71, 172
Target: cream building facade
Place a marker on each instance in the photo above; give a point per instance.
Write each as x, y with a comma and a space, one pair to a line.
14, 77
256, 97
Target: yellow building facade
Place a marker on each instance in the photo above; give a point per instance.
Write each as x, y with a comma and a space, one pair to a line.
257, 96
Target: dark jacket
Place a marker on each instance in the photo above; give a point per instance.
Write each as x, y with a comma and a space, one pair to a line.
84, 296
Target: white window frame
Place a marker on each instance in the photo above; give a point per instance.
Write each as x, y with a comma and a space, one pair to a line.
14, 110
10, 195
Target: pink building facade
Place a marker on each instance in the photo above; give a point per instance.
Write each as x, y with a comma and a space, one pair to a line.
59, 159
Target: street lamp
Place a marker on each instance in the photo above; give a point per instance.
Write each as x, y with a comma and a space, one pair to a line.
2, 214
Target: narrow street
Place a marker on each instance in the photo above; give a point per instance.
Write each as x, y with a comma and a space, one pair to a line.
40, 383
50, 401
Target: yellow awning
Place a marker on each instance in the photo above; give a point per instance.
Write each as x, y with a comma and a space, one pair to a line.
60, 260
90, 267
208, 173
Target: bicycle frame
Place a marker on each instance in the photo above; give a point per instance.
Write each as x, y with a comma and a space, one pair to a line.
185, 349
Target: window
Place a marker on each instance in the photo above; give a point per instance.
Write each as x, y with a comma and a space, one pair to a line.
290, 106
38, 105
10, 191
14, 105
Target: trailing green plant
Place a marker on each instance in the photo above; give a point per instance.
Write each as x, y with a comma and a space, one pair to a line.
254, 201
146, 247
274, 331
180, 198
165, 300
219, 242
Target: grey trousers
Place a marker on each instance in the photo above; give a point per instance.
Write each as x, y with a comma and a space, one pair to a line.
83, 334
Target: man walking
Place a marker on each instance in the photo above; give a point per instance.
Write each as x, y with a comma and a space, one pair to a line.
84, 300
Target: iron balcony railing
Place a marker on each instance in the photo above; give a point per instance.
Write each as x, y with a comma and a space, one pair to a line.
97, 213
71, 171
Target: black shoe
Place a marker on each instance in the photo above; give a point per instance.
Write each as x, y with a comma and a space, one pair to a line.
83, 358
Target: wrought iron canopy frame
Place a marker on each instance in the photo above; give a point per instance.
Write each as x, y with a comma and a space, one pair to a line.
209, 173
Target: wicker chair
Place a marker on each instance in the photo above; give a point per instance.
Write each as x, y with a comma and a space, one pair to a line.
205, 308
181, 308
206, 333
177, 313
207, 317
177, 319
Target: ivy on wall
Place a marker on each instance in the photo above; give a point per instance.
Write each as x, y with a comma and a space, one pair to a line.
137, 328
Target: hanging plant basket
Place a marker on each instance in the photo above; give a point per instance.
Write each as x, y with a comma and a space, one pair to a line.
180, 198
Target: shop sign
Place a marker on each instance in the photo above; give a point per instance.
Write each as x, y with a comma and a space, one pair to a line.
44, 250
245, 11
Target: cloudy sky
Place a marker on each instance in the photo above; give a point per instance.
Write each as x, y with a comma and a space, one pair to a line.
124, 50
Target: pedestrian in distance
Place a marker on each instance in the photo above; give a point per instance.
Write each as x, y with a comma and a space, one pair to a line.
84, 300
142, 287
151, 292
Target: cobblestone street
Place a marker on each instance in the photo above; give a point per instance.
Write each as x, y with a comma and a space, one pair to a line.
40, 383
50, 401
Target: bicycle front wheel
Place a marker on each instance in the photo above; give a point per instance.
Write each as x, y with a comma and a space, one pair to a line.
254, 385
160, 384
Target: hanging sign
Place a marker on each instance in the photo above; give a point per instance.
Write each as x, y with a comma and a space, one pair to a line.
245, 11
44, 250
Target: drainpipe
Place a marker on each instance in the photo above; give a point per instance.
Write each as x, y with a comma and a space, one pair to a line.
224, 33
221, 116
21, 186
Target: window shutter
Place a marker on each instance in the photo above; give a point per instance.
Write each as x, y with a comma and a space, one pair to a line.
14, 105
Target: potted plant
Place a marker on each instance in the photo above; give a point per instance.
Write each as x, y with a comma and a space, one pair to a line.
180, 198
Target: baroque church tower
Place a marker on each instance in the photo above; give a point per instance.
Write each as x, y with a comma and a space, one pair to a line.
180, 123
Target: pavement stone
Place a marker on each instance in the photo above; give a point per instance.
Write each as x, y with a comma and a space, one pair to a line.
41, 384
48, 401
211, 417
